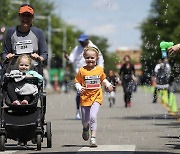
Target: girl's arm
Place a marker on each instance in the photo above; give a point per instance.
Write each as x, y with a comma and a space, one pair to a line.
79, 88
108, 85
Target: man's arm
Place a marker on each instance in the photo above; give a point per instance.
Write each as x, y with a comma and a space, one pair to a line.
72, 56
7, 45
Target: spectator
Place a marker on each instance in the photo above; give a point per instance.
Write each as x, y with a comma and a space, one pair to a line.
127, 74
162, 73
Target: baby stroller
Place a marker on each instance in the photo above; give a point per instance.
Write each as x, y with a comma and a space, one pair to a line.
23, 123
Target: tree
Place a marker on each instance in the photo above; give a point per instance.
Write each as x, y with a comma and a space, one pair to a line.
9, 12
111, 59
163, 23
102, 44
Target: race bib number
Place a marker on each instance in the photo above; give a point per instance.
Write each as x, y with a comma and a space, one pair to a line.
92, 82
24, 47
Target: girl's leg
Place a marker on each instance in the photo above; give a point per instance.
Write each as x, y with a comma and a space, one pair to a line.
93, 118
129, 92
113, 97
129, 95
125, 89
85, 110
93, 121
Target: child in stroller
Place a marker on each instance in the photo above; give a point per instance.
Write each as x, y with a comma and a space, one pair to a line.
20, 92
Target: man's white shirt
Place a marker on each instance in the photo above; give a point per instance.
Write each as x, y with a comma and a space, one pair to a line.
77, 59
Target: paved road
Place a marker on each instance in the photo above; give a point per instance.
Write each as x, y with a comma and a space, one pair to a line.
143, 128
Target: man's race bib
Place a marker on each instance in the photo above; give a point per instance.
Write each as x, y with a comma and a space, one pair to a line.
92, 82
24, 46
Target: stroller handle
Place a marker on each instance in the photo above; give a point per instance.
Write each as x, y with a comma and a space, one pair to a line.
6, 60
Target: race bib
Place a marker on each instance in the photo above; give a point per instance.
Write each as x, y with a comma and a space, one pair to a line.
24, 46
92, 82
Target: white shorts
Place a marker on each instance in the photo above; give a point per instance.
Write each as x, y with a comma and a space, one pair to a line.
111, 94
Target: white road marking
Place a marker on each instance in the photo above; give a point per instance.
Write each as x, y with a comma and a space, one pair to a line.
8, 152
110, 148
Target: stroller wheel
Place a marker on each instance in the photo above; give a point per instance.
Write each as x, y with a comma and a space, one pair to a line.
2, 142
49, 135
39, 138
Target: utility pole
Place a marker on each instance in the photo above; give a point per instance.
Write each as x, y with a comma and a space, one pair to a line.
64, 43
64, 47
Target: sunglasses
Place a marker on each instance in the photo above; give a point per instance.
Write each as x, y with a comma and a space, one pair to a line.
26, 15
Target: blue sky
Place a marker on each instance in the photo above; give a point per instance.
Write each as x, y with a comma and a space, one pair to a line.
117, 20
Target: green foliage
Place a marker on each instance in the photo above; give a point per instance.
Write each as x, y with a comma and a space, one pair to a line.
9, 17
101, 42
110, 61
163, 24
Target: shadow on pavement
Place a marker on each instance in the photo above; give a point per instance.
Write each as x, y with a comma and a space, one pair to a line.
170, 137
174, 146
173, 139
80, 146
11, 147
173, 124
72, 119
147, 117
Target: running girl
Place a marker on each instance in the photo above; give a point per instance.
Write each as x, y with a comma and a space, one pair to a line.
88, 83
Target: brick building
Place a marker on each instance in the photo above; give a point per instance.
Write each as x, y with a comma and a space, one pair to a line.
135, 58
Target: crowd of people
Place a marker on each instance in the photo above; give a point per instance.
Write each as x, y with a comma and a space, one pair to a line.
88, 64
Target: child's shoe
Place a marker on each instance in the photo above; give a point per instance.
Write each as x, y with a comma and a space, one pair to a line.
129, 104
16, 102
78, 115
24, 102
93, 142
85, 134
